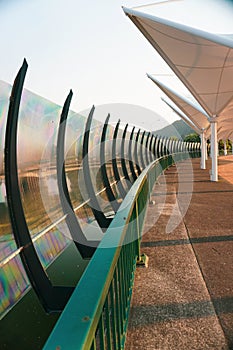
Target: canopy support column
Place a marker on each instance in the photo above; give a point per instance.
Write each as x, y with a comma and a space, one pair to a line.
203, 150
206, 150
214, 149
225, 147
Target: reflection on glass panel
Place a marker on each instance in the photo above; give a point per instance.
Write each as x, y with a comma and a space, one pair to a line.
49, 245
13, 280
37, 173
37, 135
37, 140
103, 200
5, 227
4, 103
13, 283
94, 155
89, 226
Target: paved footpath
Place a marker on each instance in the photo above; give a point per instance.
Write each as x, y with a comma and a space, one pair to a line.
184, 299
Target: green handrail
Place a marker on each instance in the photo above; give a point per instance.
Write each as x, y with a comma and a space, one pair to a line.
96, 315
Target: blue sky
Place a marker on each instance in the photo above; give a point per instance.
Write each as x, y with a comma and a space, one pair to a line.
93, 48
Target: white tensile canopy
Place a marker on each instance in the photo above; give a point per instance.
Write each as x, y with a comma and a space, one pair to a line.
202, 133
192, 112
182, 116
203, 62
195, 113
190, 108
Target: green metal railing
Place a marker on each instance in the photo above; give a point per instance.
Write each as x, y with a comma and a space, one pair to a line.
96, 315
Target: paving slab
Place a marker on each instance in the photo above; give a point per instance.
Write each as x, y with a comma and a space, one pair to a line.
184, 299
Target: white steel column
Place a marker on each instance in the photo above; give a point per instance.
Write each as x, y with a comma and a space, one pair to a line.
225, 147
206, 149
203, 150
214, 149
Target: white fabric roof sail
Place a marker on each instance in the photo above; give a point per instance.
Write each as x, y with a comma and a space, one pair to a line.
203, 62
183, 116
196, 114
191, 109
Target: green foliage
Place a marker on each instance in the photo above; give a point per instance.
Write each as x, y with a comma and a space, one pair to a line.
221, 144
194, 137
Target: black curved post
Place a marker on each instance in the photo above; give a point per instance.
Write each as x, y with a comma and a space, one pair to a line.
86, 250
102, 220
155, 147
180, 146
175, 143
177, 146
147, 149
136, 153
165, 150
172, 146
176, 150
131, 163
151, 148
168, 146
114, 162
165, 146
142, 149
111, 197
160, 147
53, 298
123, 162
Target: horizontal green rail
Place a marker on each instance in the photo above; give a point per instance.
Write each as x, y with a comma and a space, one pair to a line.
96, 315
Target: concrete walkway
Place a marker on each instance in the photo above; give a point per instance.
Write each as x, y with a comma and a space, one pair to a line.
184, 299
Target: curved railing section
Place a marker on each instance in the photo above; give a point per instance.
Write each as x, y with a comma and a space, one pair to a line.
103, 167
85, 248
136, 152
115, 162
97, 313
123, 159
130, 155
102, 220
133, 172
53, 298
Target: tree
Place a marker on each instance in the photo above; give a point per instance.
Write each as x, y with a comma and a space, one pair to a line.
221, 144
194, 137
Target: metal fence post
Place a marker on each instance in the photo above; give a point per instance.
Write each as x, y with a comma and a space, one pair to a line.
86, 250
53, 298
